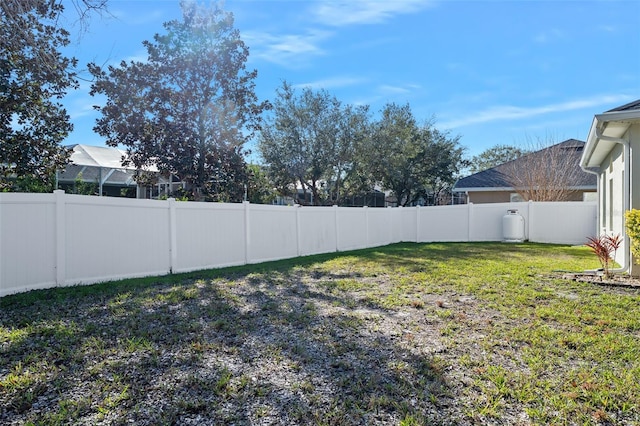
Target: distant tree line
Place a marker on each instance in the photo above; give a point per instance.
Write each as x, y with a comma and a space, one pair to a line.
313, 143
190, 109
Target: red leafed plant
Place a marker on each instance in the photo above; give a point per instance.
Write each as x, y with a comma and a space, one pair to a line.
605, 247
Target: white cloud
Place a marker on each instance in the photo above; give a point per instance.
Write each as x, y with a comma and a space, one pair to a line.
333, 82
138, 19
393, 90
349, 12
608, 28
286, 50
82, 106
509, 112
140, 56
549, 36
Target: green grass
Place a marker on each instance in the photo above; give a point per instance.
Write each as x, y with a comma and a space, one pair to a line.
408, 334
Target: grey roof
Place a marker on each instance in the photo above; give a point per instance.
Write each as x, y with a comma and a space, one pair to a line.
499, 176
631, 106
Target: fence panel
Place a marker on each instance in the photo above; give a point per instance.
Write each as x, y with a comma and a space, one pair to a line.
59, 239
485, 222
407, 223
352, 228
563, 222
317, 230
112, 238
272, 233
27, 242
379, 227
443, 223
208, 235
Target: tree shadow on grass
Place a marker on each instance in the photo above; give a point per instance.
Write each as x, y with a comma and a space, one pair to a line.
243, 350
286, 342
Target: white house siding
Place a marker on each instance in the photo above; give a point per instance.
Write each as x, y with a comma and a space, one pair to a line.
611, 197
634, 137
612, 194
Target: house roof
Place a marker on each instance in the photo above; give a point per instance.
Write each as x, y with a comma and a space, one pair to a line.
120, 177
98, 156
498, 178
631, 106
97, 163
605, 129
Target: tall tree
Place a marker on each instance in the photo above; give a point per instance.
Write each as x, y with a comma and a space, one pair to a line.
496, 155
189, 109
260, 190
410, 160
310, 141
33, 76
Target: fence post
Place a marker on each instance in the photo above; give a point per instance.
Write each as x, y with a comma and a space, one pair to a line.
335, 217
1, 281
173, 236
469, 221
61, 238
298, 233
366, 224
247, 238
397, 224
390, 226
417, 224
529, 222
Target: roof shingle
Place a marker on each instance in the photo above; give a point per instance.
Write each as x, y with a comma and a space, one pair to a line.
631, 106
499, 176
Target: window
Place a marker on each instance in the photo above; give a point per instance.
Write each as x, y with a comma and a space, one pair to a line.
589, 196
514, 197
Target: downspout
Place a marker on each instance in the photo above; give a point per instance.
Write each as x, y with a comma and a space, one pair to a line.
598, 191
626, 193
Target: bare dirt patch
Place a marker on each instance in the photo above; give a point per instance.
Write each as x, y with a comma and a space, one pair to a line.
450, 335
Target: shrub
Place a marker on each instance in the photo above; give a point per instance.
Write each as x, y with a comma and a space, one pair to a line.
632, 225
605, 247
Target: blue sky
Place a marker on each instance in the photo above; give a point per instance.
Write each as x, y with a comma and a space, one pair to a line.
493, 72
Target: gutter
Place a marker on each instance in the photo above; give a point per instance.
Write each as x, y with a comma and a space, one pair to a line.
625, 191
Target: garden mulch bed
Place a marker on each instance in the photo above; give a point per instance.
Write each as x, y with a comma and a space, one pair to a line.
615, 280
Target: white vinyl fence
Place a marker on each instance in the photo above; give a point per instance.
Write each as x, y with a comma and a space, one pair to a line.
49, 240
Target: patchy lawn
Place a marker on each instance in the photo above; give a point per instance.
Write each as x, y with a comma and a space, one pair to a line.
407, 334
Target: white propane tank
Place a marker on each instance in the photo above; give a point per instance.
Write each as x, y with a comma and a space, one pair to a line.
513, 227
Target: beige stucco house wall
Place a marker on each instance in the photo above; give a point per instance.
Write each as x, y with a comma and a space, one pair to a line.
508, 195
613, 140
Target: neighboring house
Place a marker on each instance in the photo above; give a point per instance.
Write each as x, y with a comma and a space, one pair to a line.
100, 171
613, 138
506, 182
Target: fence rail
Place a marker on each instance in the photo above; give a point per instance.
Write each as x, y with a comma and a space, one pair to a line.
49, 240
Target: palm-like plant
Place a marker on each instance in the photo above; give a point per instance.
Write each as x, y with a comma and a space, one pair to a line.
605, 248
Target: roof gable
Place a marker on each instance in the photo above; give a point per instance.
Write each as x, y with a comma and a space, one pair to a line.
631, 106
97, 156
605, 128
499, 177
